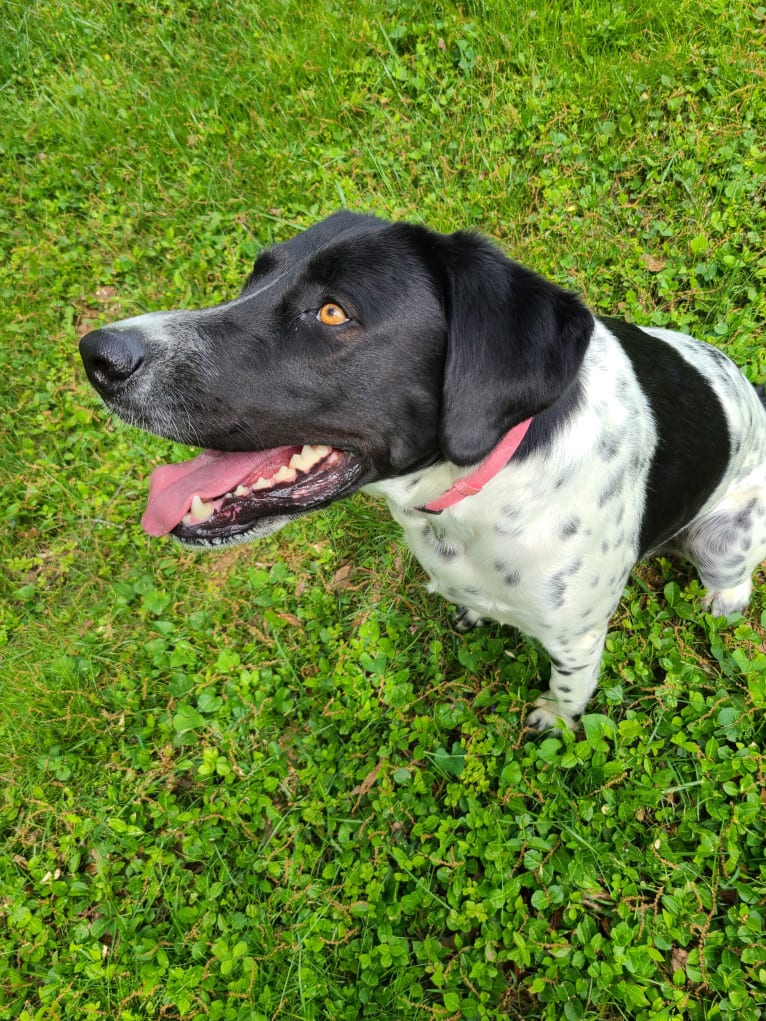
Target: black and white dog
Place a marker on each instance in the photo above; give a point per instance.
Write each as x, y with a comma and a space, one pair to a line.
531, 452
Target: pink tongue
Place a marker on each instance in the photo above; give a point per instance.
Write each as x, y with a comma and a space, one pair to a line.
209, 475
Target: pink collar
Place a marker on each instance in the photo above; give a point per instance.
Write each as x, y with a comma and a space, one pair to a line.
471, 484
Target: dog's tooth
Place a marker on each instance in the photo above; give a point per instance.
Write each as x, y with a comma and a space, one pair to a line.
200, 510
308, 457
261, 484
286, 474
242, 491
302, 462
317, 452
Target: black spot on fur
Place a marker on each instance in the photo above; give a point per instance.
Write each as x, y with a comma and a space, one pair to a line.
509, 530
744, 519
612, 488
609, 447
557, 588
569, 527
434, 536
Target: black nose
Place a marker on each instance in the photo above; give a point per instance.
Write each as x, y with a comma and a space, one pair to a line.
111, 356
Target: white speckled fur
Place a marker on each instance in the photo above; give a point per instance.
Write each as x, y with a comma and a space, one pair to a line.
549, 543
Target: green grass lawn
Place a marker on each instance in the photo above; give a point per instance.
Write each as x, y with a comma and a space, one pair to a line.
272, 784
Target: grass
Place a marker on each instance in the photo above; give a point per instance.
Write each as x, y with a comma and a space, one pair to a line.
272, 784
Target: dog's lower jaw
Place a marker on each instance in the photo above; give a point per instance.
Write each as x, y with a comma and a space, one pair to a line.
265, 526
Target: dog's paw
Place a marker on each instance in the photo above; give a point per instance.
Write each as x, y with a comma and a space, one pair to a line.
728, 600
548, 715
466, 620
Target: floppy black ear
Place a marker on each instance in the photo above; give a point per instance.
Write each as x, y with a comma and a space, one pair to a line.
515, 343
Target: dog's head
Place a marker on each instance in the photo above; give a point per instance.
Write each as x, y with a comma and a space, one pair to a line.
358, 350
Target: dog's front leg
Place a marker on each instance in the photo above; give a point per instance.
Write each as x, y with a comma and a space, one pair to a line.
575, 668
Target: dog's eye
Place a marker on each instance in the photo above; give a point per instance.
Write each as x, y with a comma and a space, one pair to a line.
331, 314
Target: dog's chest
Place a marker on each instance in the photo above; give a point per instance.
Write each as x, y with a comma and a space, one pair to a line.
550, 539
498, 564
460, 567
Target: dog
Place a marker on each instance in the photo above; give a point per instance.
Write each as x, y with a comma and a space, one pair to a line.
531, 451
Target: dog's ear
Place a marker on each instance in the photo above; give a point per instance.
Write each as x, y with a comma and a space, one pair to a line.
515, 344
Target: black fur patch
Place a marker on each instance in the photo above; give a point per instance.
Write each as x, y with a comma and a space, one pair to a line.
693, 443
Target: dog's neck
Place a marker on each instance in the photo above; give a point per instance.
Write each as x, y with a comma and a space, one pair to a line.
473, 483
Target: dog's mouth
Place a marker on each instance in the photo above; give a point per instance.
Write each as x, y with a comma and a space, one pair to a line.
219, 498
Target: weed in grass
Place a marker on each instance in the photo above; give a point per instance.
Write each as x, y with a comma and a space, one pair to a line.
273, 785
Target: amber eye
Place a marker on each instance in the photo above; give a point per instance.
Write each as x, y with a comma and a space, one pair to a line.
332, 314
